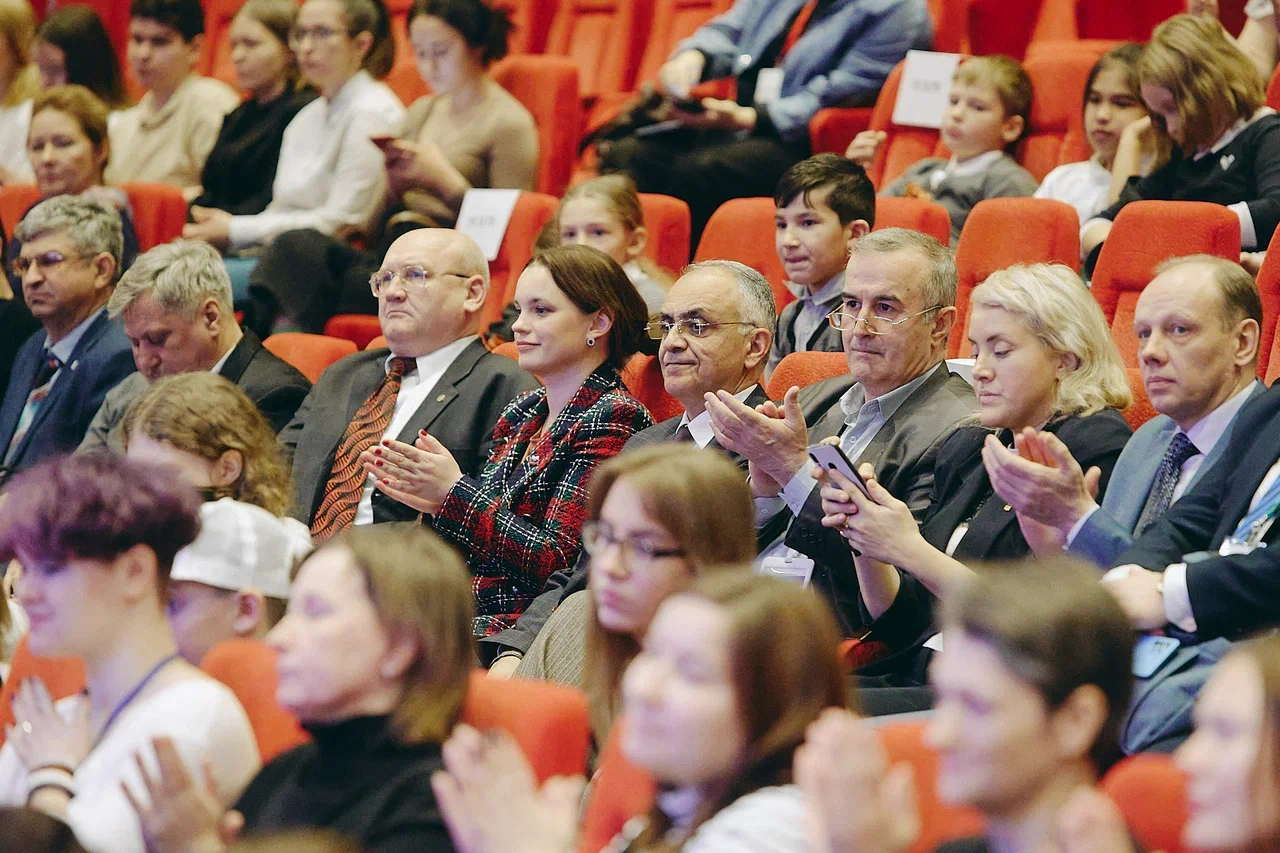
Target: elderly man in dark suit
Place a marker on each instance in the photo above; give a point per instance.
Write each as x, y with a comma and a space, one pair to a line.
69, 263
716, 326
435, 376
893, 411
175, 302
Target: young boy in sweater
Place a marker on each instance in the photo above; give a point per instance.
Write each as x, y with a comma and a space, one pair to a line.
990, 105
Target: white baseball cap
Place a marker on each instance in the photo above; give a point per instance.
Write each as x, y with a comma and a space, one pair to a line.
242, 546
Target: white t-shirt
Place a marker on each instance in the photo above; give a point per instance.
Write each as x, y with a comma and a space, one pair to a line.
15, 121
206, 723
1082, 185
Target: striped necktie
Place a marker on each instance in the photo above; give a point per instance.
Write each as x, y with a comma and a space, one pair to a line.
49, 366
347, 478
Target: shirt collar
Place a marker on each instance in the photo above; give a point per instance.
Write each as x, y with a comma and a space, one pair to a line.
349, 93
1205, 434
217, 367
700, 427
436, 361
66, 347
973, 165
826, 295
1232, 132
854, 400
152, 117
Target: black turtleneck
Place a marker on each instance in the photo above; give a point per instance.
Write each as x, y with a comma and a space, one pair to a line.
356, 779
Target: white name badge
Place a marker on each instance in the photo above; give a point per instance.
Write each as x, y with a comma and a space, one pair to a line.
768, 86
796, 569
923, 90
484, 217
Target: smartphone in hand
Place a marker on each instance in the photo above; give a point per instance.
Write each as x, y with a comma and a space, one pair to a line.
692, 106
829, 457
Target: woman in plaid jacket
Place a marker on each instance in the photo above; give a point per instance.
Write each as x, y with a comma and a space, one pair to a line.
580, 320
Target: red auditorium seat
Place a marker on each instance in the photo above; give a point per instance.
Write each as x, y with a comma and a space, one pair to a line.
1055, 134
904, 145
1273, 89
532, 22
1141, 411
619, 792
215, 57
531, 213
831, 130
939, 822
15, 200
1152, 795
1269, 291
1144, 234
1273, 365
606, 39
643, 378
742, 230
360, 329
667, 220
927, 217
548, 88
1047, 232
159, 210
248, 668
403, 79
1001, 26
1128, 20
311, 354
805, 368
62, 676
377, 343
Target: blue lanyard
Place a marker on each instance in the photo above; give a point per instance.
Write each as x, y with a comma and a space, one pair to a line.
133, 694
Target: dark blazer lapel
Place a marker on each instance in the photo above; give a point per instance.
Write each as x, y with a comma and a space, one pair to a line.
25, 370
66, 379
444, 391
1144, 475
241, 354
886, 434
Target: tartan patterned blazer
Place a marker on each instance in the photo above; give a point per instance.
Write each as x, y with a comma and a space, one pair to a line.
522, 520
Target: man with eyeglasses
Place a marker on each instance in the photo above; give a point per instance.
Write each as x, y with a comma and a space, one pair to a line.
434, 376
69, 263
893, 410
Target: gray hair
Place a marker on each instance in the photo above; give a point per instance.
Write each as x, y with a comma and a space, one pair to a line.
757, 304
92, 226
940, 283
180, 276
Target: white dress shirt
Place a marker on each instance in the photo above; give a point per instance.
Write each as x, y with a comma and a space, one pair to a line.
330, 174
700, 427
414, 390
1084, 185
956, 169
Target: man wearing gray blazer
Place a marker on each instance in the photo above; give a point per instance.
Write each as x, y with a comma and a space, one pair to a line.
894, 410
430, 290
1197, 324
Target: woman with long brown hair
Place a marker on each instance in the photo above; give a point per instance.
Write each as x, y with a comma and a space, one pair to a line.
19, 83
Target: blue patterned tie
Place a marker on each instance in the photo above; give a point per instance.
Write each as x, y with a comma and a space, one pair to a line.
1161, 495
49, 366
1263, 510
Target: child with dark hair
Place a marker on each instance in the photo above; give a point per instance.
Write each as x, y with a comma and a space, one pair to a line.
167, 137
823, 204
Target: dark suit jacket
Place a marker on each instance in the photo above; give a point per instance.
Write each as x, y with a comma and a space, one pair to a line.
521, 520
903, 453
963, 492
566, 582
101, 359
460, 412
1239, 594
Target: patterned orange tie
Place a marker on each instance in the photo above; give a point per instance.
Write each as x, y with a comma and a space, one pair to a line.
346, 480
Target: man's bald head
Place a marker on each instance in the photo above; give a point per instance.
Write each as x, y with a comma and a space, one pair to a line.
419, 318
428, 247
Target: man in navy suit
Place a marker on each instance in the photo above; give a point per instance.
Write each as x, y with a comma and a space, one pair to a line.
69, 263
1197, 324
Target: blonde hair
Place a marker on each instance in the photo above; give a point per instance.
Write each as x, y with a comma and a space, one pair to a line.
18, 30
203, 414
1006, 77
421, 588
619, 195
701, 499
1212, 82
1056, 306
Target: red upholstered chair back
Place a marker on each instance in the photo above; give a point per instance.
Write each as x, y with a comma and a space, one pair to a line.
805, 368
605, 38
927, 217
1055, 133
998, 26
1269, 291
15, 200
1273, 364
548, 88
1273, 89
360, 329
1145, 234
643, 378
62, 676
311, 354
159, 212
531, 213
1152, 795
404, 78
215, 58
549, 721
742, 230
1047, 232
377, 343
673, 21
939, 822
1129, 20
1141, 411
532, 20
904, 145
620, 792
248, 668
669, 225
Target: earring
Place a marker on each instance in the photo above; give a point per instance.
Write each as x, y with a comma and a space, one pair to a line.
591, 342
388, 672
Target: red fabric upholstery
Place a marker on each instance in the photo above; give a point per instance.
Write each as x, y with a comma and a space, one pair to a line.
950, 25
531, 213
248, 668
1273, 89
215, 57
114, 15
1047, 232
1129, 20
620, 792
507, 348
532, 20
605, 38
15, 200
360, 329
1152, 795
667, 219
643, 378
1141, 411
548, 88
403, 78
1273, 365
1055, 134
159, 212
673, 22
1269, 291
831, 130
1146, 233
805, 368
377, 343
927, 217
904, 145
62, 676
742, 230
311, 354
998, 26
549, 721
939, 821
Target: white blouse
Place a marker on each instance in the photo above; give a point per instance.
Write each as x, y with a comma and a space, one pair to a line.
330, 174
15, 121
206, 723
1084, 186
